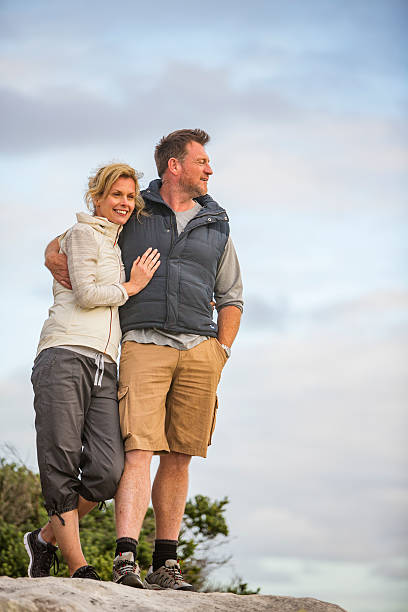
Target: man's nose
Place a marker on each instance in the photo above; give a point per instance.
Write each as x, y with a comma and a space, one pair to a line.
208, 169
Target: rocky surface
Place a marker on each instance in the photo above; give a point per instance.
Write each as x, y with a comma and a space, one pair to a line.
67, 595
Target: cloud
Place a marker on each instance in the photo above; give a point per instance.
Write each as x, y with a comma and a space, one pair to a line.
263, 315
368, 306
72, 115
353, 586
276, 159
378, 309
396, 569
311, 441
313, 162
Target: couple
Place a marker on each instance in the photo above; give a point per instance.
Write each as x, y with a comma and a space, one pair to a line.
174, 248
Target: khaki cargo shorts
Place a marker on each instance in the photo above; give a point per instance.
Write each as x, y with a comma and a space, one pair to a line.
167, 397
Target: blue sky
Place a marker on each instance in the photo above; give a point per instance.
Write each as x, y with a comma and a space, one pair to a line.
306, 105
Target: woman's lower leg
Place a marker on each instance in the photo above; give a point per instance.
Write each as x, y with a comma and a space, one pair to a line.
67, 537
84, 506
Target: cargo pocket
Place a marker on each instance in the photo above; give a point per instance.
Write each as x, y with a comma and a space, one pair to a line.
42, 367
123, 399
214, 419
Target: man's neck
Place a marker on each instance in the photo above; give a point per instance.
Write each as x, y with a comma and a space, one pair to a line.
178, 200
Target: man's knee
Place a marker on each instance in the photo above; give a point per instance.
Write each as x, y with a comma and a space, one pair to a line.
138, 458
177, 461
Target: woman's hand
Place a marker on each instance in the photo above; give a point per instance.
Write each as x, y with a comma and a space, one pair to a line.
142, 271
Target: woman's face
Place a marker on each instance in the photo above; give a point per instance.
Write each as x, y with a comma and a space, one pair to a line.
119, 203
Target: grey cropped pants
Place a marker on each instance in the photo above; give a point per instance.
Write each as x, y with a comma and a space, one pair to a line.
79, 444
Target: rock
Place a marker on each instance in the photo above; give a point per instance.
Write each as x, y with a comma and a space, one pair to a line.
79, 595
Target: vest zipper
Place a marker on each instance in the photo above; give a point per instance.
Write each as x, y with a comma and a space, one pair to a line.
207, 214
173, 233
211, 218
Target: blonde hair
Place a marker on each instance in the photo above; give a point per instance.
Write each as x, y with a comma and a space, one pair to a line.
101, 183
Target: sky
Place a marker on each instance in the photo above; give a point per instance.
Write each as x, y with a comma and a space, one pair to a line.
306, 105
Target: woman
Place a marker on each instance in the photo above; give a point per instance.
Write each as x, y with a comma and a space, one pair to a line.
74, 374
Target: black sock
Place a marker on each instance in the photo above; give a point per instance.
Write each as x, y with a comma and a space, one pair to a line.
163, 550
126, 545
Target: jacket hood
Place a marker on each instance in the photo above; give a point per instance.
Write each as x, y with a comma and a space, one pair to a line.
152, 193
100, 224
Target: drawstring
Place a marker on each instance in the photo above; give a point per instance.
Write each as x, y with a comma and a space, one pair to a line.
60, 517
102, 505
100, 367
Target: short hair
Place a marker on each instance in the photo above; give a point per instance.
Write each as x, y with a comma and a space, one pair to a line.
100, 183
174, 145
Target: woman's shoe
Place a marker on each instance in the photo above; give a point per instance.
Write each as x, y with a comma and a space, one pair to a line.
42, 556
86, 571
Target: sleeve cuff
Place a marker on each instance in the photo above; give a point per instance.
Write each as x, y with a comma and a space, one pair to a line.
239, 305
124, 293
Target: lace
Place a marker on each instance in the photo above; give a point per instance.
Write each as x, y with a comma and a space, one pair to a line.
174, 573
125, 567
48, 558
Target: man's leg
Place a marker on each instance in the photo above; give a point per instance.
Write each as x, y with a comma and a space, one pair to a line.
169, 494
145, 376
133, 494
190, 419
131, 503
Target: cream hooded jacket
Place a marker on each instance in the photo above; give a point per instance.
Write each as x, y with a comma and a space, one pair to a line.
88, 315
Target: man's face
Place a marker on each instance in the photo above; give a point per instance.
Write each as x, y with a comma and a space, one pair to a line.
196, 170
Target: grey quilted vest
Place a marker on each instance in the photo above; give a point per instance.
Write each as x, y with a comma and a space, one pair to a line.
178, 297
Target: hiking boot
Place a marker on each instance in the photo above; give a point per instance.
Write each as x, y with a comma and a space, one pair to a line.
126, 570
168, 576
86, 571
42, 556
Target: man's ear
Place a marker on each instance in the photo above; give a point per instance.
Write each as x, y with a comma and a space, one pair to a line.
173, 166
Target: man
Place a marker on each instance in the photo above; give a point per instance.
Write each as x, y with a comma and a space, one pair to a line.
172, 351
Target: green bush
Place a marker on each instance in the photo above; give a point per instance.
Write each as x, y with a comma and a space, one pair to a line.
13, 559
